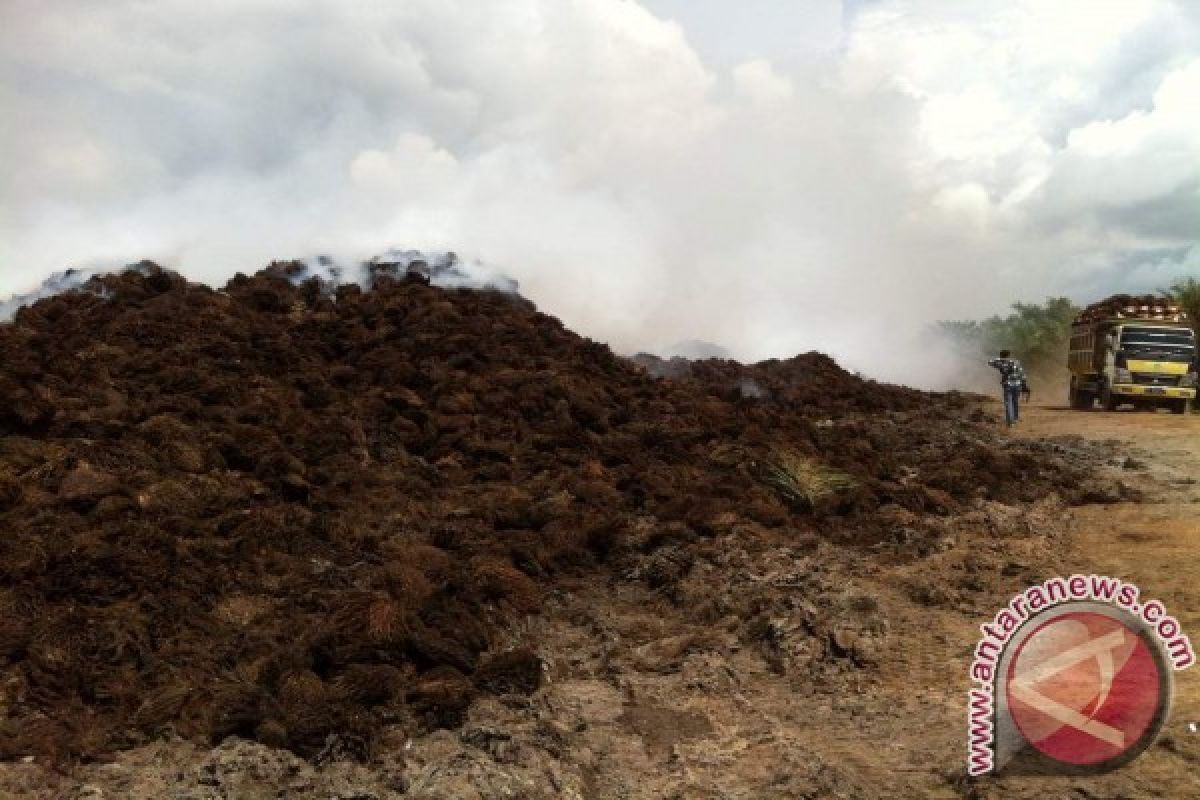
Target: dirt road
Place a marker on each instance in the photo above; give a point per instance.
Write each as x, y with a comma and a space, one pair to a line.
1152, 543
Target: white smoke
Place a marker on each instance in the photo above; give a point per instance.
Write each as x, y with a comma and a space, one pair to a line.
749, 388
58, 282
695, 349
446, 270
940, 160
443, 269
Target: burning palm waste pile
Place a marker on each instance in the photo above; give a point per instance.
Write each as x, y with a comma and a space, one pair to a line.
331, 520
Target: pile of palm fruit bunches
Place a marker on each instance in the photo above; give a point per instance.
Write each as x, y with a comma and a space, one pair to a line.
1126, 306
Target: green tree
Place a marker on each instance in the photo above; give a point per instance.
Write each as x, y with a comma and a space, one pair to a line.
1037, 334
1186, 292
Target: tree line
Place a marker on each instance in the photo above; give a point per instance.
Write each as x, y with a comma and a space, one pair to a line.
1038, 333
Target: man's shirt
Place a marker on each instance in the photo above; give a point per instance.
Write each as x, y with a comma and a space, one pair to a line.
1012, 375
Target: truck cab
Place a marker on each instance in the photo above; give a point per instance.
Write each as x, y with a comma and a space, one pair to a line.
1149, 363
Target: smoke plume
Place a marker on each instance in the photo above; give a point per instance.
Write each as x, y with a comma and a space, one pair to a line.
931, 161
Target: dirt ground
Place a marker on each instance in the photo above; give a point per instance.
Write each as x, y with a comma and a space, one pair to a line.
1151, 543
641, 702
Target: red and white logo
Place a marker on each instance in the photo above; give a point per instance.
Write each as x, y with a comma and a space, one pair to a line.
1074, 676
1086, 689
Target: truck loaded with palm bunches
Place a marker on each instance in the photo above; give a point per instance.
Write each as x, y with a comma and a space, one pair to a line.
1138, 350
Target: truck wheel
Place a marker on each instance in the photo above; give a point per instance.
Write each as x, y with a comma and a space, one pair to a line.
1079, 399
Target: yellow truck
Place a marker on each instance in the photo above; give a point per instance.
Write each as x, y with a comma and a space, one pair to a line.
1133, 350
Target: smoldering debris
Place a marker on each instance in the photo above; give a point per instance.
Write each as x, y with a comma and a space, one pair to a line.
295, 512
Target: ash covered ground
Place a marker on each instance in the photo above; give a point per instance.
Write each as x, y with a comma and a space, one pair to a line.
326, 523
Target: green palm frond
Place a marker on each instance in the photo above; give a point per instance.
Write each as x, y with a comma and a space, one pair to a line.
803, 481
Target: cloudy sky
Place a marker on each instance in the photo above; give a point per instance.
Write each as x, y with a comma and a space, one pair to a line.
773, 176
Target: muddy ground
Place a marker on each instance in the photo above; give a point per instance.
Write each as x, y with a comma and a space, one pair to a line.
645, 616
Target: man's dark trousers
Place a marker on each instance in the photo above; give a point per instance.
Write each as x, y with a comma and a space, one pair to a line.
1012, 394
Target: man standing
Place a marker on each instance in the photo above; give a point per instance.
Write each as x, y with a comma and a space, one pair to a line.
1012, 382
